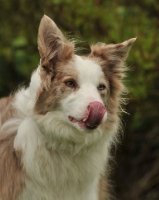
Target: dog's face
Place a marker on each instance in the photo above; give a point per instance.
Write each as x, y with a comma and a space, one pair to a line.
84, 105
85, 90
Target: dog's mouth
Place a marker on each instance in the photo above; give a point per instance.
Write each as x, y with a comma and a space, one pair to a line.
94, 117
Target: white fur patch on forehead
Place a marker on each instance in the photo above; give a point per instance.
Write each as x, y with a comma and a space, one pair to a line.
88, 71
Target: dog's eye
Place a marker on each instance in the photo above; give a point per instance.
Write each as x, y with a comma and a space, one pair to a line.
101, 87
70, 83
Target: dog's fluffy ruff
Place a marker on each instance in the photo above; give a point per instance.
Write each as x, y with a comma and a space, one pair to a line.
55, 158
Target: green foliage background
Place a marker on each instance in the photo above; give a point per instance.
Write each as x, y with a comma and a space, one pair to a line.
136, 173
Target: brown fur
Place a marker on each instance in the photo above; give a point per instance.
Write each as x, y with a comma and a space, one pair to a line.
104, 193
11, 173
56, 51
48, 98
111, 58
53, 48
6, 109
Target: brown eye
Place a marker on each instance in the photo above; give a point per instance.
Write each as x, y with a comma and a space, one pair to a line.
101, 87
70, 83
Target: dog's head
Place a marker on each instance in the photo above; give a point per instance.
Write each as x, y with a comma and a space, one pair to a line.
85, 91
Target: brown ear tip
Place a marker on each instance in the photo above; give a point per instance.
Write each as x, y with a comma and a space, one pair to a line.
133, 39
45, 18
130, 41
45, 21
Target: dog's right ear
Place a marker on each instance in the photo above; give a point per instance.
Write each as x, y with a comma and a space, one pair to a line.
53, 46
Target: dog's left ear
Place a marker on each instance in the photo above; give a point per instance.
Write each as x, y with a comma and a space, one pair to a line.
53, 46
113, 55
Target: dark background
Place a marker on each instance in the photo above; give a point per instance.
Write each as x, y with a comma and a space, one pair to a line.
136, 173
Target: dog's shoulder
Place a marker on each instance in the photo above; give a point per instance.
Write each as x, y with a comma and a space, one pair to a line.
11, 173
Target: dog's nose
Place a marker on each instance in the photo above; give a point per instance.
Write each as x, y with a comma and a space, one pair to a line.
96, 112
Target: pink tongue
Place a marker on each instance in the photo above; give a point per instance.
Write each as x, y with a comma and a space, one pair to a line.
96, 111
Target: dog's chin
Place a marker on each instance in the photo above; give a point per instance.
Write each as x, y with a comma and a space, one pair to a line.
81, 124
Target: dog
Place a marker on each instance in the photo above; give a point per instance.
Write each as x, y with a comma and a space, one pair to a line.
55, 135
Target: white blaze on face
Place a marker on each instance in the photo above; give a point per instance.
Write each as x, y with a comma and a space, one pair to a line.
90, 74
76, 105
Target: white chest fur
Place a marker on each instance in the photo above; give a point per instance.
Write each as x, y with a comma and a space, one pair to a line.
57, 175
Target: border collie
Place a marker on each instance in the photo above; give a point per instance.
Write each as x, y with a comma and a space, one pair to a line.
55, 135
